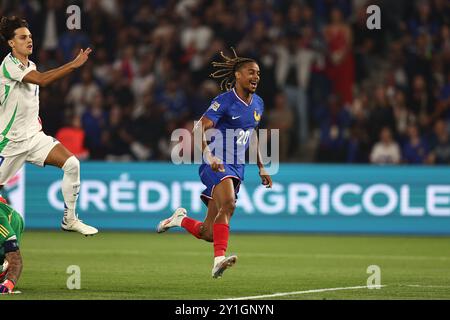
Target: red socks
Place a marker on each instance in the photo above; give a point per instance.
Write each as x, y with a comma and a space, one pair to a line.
192, 226
221, 232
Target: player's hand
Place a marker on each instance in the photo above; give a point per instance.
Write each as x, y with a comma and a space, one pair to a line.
82, 57
215, 163
6, 286
265, 178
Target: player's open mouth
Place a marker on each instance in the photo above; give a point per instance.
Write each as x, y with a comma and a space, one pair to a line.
253, 84
30, 46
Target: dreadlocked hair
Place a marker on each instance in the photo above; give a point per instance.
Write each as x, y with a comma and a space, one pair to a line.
227, 68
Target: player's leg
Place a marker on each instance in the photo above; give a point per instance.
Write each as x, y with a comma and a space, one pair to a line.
46, 150
207, 227
9, 166
224, 197
62, 158
204, 230
200, 230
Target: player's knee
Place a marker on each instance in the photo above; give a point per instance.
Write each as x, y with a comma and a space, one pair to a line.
72, 165
228, 207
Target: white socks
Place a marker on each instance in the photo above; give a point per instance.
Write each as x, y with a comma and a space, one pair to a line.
70, 186
218, 259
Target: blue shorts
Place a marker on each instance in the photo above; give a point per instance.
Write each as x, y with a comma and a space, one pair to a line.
210, 179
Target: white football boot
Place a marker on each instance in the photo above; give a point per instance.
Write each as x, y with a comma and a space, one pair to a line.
222, 264
173, 221
77, 225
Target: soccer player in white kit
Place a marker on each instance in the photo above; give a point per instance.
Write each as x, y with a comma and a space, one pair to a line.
21, 136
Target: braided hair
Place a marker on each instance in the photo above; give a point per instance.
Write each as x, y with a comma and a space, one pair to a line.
227, 68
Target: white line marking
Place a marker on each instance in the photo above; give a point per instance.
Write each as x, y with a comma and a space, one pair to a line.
424, 286
282, 294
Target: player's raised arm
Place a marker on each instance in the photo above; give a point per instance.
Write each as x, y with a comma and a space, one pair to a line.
202, 125
45, 78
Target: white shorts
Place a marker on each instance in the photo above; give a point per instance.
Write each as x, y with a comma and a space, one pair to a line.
34, 150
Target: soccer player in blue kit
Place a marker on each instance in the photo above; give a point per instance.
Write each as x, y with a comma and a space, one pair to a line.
235, 114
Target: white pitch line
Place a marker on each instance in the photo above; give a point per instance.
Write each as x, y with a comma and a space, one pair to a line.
282, 294
424, 286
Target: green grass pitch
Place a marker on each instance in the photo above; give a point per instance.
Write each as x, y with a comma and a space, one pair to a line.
177, 266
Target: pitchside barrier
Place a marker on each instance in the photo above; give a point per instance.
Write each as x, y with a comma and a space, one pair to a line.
304, 198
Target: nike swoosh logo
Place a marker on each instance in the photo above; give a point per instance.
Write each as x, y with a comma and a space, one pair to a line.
234, 118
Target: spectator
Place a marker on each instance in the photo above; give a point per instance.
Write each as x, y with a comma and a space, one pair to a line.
340, 61
94, 121
197, 36
117, 137
440, 153
147, 130
403, 116
102, 68
281, 118
421, 101
292, 71
82, 94
386, 151
415, 150
334, 123
381, 114
72, 137
70, 43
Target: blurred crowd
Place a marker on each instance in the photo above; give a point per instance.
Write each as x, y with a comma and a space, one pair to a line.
338, 91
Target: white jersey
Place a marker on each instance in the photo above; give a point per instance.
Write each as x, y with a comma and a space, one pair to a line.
19, 102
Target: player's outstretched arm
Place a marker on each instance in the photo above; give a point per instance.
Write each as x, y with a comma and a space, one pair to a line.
15, 266
45, 78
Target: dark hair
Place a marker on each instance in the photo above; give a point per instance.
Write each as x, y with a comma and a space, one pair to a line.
9, 25
227, 69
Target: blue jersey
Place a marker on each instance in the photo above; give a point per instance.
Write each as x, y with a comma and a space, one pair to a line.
235, 120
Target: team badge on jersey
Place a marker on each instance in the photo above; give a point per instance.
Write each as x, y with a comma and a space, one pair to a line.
215, 106
256, 116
